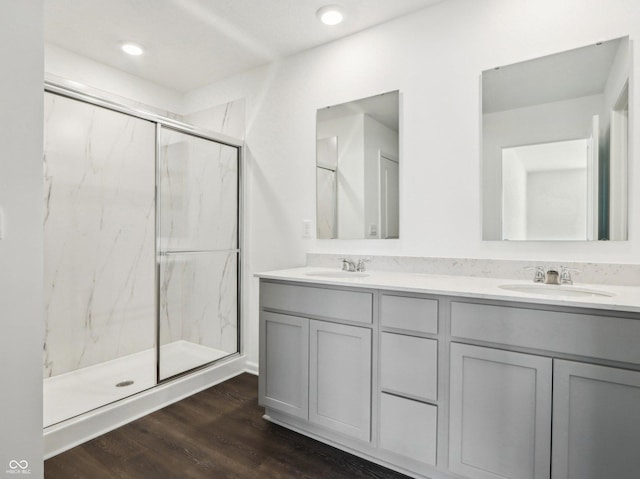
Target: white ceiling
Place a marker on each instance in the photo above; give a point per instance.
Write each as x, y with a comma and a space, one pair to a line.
191, 43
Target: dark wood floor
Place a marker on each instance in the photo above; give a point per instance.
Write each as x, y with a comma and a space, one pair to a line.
218, 433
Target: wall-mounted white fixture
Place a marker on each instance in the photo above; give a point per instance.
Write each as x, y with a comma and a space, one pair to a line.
306, 229
330, 14
132, 49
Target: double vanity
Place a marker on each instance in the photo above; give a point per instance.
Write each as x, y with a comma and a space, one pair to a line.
466, 375
448, 377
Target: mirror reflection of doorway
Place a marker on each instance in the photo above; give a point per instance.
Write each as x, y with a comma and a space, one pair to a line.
547, 191
327, 187
618, 166
389, 197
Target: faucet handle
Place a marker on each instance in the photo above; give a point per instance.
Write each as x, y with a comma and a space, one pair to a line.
361, 263
348, 264
539, 275
565, 274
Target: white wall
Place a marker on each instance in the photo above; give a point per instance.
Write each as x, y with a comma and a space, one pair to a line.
21, 101
434, 58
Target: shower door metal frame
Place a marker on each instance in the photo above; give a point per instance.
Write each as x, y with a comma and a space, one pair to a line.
71, 90
238, 250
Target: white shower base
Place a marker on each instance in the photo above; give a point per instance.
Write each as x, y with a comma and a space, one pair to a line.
76, 392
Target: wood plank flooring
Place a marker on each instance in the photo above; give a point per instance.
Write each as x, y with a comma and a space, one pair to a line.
218, 433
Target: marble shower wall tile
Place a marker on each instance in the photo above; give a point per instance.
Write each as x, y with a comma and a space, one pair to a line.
596, 273
198, 194
199, 299
227, 118
99, 174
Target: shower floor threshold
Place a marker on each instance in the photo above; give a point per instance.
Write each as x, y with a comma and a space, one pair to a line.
71, 394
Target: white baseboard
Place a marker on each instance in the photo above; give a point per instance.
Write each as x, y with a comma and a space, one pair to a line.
251, 368
73, 432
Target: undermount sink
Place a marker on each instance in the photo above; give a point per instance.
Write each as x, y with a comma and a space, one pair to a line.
338, 274
556, 290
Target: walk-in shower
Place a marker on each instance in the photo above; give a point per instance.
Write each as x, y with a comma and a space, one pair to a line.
141, 250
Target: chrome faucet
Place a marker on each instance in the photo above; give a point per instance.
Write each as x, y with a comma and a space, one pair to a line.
348, 264
539, 275
351, 265
551, 277
361, 262
565, 274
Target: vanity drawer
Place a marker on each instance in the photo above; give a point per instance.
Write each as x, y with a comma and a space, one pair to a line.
414, 314
409, 365
317, 302
589, 335
408, 428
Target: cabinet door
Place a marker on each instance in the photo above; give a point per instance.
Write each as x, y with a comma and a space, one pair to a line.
284, 363
340, 378
500, 414
596, 422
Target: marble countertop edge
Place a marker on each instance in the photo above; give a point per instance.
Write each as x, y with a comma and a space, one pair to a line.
624, 299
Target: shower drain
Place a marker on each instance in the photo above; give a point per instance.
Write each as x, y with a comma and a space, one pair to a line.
122, 384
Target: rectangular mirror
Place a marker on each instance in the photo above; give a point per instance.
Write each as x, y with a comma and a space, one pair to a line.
554, 146
357, 165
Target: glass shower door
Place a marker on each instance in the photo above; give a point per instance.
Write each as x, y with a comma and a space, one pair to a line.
197, 251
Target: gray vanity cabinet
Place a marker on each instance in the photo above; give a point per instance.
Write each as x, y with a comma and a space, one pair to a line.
500, 414
409, 379
284, 366
501, 401
596, 421
443, 387
316, 356
340, 378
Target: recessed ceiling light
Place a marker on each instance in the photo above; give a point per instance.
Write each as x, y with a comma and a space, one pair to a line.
330, 14
132, 49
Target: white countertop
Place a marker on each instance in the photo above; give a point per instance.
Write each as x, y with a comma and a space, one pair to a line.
625, 298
